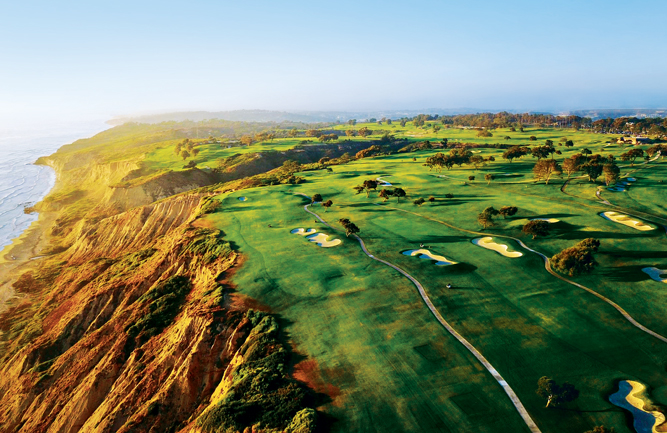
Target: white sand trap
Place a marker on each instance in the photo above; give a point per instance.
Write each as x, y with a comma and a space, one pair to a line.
303, 232
634, 397
476, 151
322, 239
487, 242
549, 220
426, 254
383, 182
243, 198
626, 221
655, 274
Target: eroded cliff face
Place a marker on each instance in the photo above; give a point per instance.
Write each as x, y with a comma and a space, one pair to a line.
129, 330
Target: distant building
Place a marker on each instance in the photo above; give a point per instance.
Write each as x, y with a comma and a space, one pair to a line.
633, 140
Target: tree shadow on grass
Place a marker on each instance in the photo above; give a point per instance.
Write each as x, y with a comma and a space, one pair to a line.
626, 274
631, 255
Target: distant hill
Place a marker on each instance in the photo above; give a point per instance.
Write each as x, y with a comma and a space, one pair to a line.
282, 116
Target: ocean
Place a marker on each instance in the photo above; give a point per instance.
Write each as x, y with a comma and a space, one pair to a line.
22, 184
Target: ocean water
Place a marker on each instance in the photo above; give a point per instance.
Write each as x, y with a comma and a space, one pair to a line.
22, 184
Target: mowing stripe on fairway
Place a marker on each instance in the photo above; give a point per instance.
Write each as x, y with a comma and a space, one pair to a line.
547, 266
502, 382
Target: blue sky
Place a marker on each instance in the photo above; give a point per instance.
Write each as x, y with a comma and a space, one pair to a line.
103, 58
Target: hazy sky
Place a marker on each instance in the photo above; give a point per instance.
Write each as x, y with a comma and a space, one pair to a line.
102, 58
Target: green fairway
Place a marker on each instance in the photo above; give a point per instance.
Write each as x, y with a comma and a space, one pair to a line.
392, 366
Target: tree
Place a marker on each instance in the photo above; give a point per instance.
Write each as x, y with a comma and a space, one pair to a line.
631, 155
515, 152
431, 199
370, 185
546, 168
477, 161
611, 173
246, 140
571, 165
350, 227
556, 394
313, 133
536, 228
586, 151
488, 178
359, 189
327, 204
352, 122
195, 152
420, 201
290, 166
592, 170
485, 218
365, 132
471, 178
507, 137
350, 132
384, 194
578, 259
540, 152
398, 193
185, 154
261, 136
324, 160
532, 138
484, 133
293, 132
569, 143
316, 198
449, 195
506, 211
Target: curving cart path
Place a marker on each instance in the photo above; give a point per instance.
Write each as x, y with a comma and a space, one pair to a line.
547, 266
508, 390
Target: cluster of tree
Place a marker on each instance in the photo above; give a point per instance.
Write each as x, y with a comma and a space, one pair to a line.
545, 168
653, 150
484, 133
653, 126
554, 393
458, 157
536, 228
578, 259
327, 137
185, 149
515, 152
350, 227
368, 186
396, 192
631, 155
374, 150
507, 120
485, 218
592, 165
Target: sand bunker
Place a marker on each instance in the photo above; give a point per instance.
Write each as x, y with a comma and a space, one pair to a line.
476, 151
383, 182
426, 254
322, 239
303, 232
487, 242
655, 274
549, 220
243, 198
626, 221
631, 395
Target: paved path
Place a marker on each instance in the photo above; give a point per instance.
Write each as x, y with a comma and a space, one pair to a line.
547, 266
508, 390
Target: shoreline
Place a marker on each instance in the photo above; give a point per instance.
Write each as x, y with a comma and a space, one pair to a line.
24, 248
